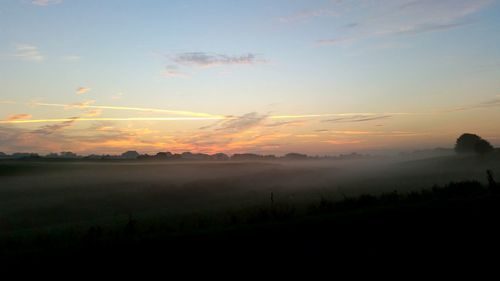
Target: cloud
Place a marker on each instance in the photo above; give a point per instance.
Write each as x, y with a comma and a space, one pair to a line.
352, 132
343, 142
87, 104
19, 117
286, 123
86, 119
28, 52
19, 140
46, 2
83, 104
402, 17
307, 136
93, 113
428, 27
336, 41
174, 73
241, 123
304, 15
446, 9
50, 129
495, 102
102, 136
358, 118
225, 132
204, 59
82, 90
378, 133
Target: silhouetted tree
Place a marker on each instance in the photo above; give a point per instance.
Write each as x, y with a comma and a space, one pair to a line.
68, 154
483, 147
295, 156
220, 156
471, 143
131, 154
163, 155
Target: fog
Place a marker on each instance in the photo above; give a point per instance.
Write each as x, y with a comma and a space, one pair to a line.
36, 194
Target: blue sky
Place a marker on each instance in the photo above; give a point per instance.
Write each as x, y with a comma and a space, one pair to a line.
320, 77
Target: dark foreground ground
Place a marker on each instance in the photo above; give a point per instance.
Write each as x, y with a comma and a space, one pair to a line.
135, 217
457, 222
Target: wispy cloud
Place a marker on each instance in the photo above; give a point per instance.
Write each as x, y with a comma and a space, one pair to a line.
56, 139
377, 133
82, 104
352, 132
290, 123
46, 2
342, 142
174, 73
228, 132
335, 41
93, 113
405, 17
82, 90
19, 117
347, 115
358, 118
204, 59
50, 129
226, 121
241, 123
429, 27
28, 52
495, 102
88, 104
304, 15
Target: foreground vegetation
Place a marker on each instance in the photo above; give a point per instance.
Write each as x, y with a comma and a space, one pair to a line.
458, 219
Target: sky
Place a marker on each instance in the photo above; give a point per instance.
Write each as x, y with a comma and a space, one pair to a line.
320, 77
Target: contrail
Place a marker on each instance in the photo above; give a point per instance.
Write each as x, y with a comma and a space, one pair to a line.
178, 112
338, 115
113, 119
187, 118
202, 114
188, 115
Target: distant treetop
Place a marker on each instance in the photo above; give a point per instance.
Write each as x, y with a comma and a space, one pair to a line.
131, 154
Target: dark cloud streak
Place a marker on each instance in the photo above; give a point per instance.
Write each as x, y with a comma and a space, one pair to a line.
50, 129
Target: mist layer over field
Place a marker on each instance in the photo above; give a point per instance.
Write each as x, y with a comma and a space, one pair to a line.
46, 194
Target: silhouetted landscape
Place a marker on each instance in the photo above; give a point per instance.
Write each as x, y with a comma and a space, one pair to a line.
134, 209
231, 138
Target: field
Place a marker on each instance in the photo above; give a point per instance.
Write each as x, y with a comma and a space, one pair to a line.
61, 208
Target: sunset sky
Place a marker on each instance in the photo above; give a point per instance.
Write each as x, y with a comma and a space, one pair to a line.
263, 76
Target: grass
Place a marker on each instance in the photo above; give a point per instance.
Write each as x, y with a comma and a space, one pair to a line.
133, 230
